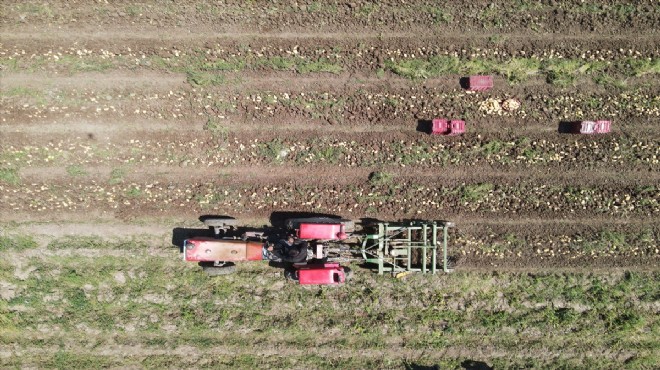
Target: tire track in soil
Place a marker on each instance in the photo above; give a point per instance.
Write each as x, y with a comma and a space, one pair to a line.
17, 35
394, 351
329, 175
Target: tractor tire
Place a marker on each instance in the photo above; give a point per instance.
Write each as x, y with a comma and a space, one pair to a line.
219, 270
291, 275
220, 222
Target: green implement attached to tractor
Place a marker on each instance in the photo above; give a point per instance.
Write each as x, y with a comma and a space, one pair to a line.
407, 246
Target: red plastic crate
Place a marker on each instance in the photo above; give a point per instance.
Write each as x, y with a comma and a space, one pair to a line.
480, 83
441, 126
457, 127
602, 127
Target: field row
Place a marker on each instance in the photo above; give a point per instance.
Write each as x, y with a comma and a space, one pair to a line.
110, 303
343, 150
354, 104
422, 16
553, 244
382, 195
608, 67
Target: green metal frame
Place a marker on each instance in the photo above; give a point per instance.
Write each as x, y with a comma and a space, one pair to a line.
391, 248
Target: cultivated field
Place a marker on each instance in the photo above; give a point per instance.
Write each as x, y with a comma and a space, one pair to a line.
122, 122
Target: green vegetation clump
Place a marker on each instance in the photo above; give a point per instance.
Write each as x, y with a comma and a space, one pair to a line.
155, 301
9, 243
10, 176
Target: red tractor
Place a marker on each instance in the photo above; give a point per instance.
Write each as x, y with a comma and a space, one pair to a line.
307, 244
313, 248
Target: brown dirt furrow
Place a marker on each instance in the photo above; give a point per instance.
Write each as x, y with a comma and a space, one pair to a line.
383, 197
109, 130
401, 353
139, 80
352, 55
270, 81
18, 34
325, 174
280, 149
341, 107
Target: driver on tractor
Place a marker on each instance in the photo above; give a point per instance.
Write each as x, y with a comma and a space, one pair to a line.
287, 250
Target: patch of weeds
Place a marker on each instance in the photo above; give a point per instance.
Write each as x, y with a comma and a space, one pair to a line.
440, 15
491, 16
134, 192
380, 178
133, 10
274, 150
328, 154
68, 360
380, 73
17, 243
279, 63
22, 92
117, 176
10, 176
39, 9
367, 10
223, 65
641, 67
92, 242
564, 72
497, 39
518, 70
321, 65
493, 147
76, 170
10, 64
202, 79
475, 192
216, 129
609, 81
74, 64
613, 239
421, 68
527, 5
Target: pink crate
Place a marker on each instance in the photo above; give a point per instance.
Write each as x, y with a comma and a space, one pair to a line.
457, 127
480, 83
441, 126
602, 127
594, 127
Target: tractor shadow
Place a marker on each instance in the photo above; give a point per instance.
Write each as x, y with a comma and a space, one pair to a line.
278, 218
